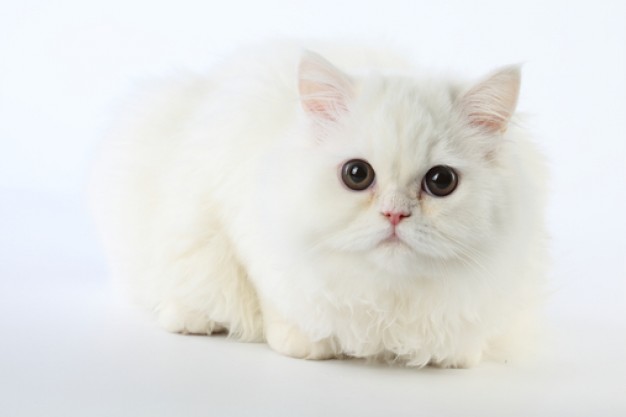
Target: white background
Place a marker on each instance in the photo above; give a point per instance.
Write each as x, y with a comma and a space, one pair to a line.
67, 348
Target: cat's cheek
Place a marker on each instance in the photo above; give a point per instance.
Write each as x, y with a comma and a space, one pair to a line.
301, 202
428, 208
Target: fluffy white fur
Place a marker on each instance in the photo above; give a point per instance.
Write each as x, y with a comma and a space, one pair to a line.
221, 205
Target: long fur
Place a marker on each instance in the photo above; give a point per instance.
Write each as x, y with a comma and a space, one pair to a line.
220, 204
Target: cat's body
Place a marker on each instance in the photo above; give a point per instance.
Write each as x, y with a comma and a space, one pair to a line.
223, 205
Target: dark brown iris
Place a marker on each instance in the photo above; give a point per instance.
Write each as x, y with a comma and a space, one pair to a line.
357, 174
440, 181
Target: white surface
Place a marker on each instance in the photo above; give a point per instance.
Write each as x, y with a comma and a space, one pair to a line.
68, 348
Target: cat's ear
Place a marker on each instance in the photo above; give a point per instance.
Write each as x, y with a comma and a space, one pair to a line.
491, 103
325, 91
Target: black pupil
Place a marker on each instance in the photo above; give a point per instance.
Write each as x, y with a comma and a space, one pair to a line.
358, 172
441, 178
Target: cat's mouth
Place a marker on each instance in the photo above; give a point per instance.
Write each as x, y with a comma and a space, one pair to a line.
392, 240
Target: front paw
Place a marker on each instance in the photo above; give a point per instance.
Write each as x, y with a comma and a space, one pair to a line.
289, 340
460, 361
177, 319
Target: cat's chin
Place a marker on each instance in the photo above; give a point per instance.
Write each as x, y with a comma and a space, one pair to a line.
394, 256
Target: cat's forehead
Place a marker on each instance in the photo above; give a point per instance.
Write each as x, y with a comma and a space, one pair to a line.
406, 125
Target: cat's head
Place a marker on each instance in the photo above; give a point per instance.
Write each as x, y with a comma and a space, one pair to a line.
400, 172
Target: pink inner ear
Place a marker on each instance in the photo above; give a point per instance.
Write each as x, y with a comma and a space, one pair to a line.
316, 106
321, 100
324, 90
488, 122
491, 103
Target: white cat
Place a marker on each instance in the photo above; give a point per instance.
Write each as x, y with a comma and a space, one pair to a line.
368, 213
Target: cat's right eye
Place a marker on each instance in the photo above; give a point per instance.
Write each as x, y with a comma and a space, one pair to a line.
357, 174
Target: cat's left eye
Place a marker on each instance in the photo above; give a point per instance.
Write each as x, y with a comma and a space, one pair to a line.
440, 181
357, 174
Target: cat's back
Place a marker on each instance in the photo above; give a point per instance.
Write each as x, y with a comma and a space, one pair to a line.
244, 103
176, 142
253, 88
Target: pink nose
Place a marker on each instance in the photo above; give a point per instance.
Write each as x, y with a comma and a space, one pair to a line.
395, 217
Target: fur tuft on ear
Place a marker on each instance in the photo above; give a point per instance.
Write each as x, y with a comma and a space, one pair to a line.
324, 89
491, 103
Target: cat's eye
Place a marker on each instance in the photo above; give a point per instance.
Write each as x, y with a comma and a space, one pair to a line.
440, 181
357, 174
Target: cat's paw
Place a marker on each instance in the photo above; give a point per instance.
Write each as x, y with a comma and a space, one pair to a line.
290, 341
177, 319
287, 339
458, 362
